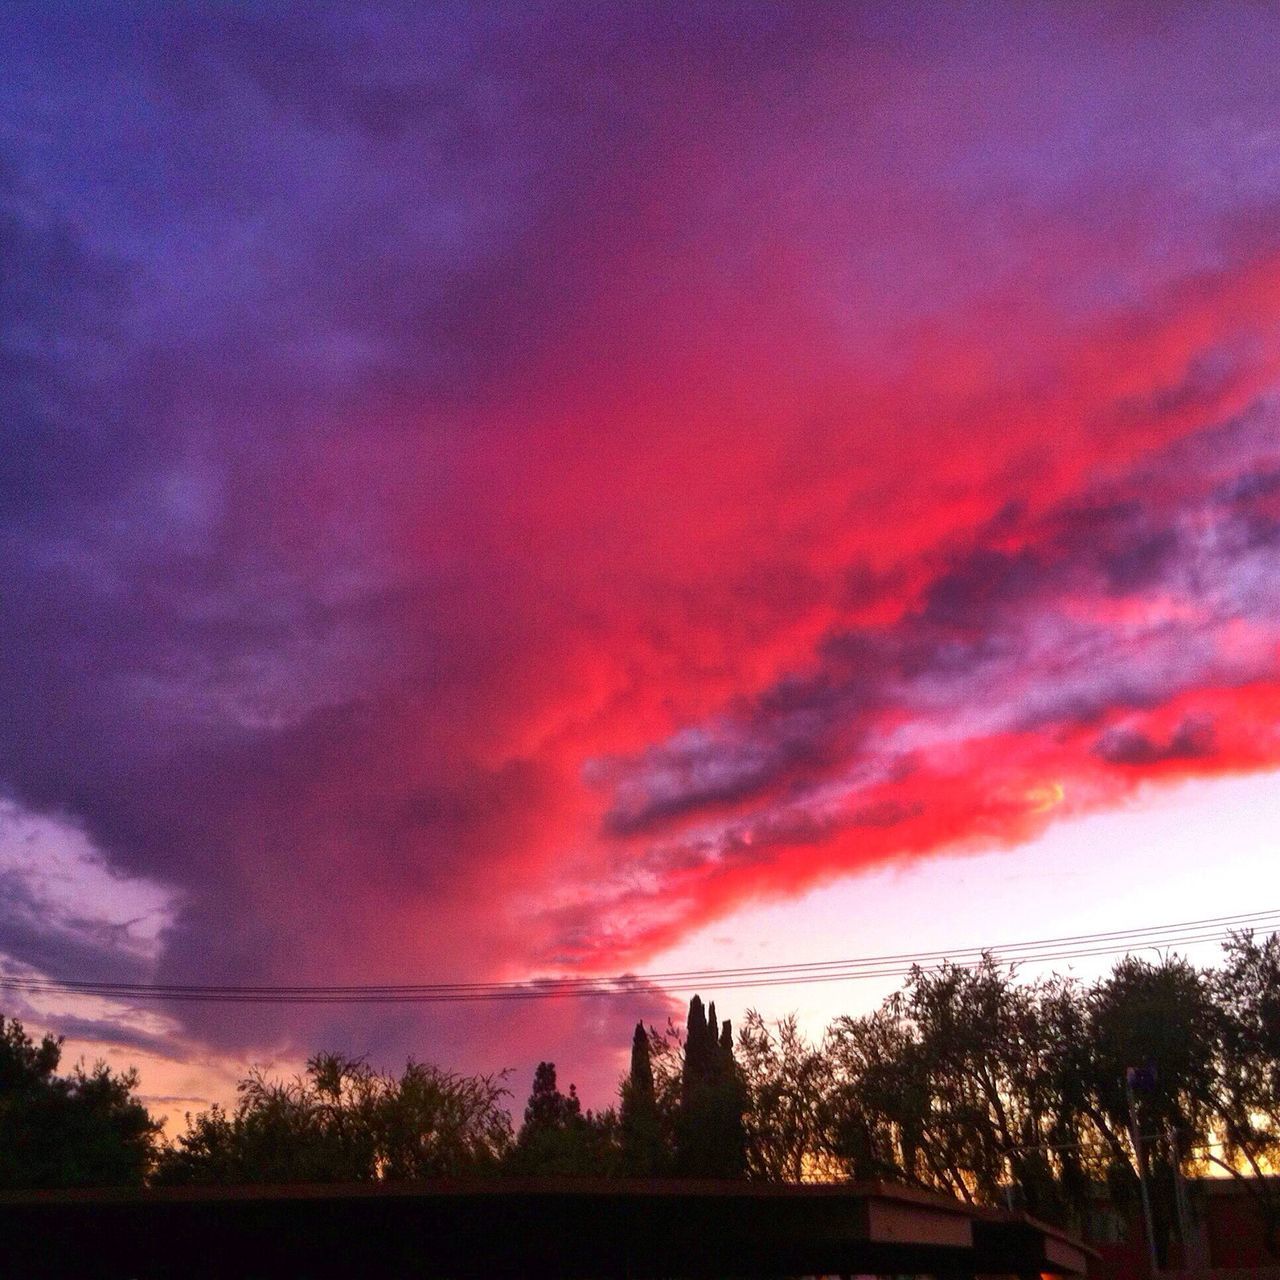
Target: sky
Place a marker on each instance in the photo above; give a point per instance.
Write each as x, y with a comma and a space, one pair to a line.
491, 492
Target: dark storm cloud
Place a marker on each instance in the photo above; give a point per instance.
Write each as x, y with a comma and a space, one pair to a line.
698, 777
60, 316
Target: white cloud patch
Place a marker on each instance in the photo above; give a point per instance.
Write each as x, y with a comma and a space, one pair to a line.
57, 887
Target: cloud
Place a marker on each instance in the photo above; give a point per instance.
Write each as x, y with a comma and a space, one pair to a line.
1191, 740
1025, 662
489, 493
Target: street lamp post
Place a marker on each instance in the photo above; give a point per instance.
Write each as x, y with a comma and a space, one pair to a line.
1142, 1078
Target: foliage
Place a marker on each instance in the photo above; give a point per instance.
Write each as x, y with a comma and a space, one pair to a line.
85, 1129
558, 1138
642, 1128
1247, 994
965, 1081
1002, 1092
343, 1122
787, 1081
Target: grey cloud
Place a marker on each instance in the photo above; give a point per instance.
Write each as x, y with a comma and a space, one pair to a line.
1193, 739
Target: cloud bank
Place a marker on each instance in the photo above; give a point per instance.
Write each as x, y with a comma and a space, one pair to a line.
484, 495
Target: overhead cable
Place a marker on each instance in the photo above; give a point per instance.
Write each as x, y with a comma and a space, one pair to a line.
895, 965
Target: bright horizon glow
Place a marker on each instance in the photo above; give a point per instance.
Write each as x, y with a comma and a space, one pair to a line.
1153, 852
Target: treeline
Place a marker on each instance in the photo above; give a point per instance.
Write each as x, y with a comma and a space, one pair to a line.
966, 1081
682, 1109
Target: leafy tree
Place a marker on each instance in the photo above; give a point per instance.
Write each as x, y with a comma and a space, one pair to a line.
343, 1122
787, 1082
987, 1052
434, 1123
85, 1129
878, 1105
1247, 993
318, 1127
941, 1087
1081, 1150
1159, 1015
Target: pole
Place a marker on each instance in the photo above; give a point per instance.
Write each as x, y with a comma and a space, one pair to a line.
1135, 1136
1189, 1262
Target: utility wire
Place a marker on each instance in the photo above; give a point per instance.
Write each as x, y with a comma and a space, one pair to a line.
551, 987
1207, 929
898, 965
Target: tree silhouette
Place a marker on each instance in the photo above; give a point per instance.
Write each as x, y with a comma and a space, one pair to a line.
1161, 1015
710, 1133
1247, 992
787, 1081
85, 1129
343, 1122
643, 1151
964, 1081
557, 1138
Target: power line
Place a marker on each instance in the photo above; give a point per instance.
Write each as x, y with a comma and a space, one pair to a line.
896, 965
1188, 933
1044, 948
556, 987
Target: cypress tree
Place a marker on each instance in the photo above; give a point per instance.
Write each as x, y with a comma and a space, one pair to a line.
641, 1131
641, 1066
710, 1134
696, 1058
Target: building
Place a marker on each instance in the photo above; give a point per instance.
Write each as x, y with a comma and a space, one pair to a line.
1227, 1233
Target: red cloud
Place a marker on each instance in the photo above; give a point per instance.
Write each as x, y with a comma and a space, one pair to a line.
612, 480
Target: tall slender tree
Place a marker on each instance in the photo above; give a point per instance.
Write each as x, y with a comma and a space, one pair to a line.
642, 1145
710, 1132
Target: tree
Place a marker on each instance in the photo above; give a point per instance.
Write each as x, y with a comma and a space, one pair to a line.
878, 1105
931, 1088
710, 1134
85, 1129
434, 1123
557, 1138
986, 1051
341, 1121
787, 1081
967, 1082
1159, 1015
643, 1152
1081, 1150
1247, 995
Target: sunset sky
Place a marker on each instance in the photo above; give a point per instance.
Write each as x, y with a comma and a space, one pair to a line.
498, 492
